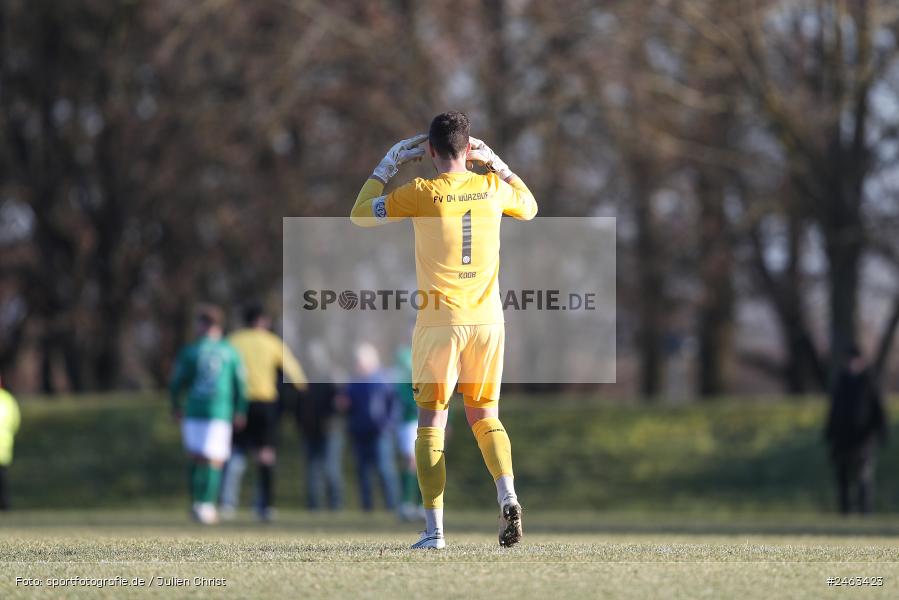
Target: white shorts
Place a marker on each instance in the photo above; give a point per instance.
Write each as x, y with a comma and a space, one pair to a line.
209, 438
405, 437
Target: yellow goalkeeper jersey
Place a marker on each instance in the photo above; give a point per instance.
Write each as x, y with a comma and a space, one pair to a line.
263, 354
456, 218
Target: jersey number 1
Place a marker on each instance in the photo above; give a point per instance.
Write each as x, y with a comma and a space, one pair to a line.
466, 238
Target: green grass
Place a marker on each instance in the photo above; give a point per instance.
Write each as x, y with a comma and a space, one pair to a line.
729, 457
350, 555
728, 500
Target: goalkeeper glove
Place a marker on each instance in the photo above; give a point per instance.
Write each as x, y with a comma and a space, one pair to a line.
481, 153
401, 153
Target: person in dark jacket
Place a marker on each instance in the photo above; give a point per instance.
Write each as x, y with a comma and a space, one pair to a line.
372, 410
317, 421
856, 427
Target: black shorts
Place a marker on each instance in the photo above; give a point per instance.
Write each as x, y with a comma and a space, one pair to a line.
262, 426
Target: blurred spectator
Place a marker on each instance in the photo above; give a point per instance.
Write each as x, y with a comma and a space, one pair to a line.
406, 432
856, 426
210, 374
323, 441
372, 398
10, 419
265, 355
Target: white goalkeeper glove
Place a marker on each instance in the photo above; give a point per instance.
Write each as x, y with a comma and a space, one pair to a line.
481, 153
401, 153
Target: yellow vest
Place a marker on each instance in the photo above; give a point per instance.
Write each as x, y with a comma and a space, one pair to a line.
9, 425
263, 354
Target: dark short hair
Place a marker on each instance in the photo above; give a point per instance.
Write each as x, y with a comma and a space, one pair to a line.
210, 314
448, 134
252, 312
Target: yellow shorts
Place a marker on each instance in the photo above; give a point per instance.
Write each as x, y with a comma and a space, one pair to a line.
470, 355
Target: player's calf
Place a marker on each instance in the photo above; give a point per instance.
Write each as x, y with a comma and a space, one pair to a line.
497, 452
431, 467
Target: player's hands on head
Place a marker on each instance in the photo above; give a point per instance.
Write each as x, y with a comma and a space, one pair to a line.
480, 153
399, 154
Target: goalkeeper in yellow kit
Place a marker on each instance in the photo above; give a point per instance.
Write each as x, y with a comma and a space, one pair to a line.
459, 334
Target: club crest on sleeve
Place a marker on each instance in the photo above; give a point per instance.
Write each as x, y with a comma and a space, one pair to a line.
379, 208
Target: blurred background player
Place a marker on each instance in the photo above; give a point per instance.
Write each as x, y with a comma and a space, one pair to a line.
317, 420
10, 419
406, 430
456, 218
856, 427
265, 357
372, 400
210, 372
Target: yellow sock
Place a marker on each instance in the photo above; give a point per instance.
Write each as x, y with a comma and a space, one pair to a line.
495, 446
430, 465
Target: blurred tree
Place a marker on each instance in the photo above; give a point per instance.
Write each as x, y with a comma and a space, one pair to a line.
807, 71
66, 116
149, 150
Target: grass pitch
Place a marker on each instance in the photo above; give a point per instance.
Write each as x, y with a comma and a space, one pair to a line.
358, 556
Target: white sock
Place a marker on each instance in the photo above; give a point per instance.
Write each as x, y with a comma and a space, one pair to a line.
433, 520
505, 489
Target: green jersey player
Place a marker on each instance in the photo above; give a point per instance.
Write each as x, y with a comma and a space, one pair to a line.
209, 372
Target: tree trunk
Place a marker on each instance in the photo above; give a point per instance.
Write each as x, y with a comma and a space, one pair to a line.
843, 281
48, 386
74, 359
107, 360
715, 318
495, 72
650, 284
802, 367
